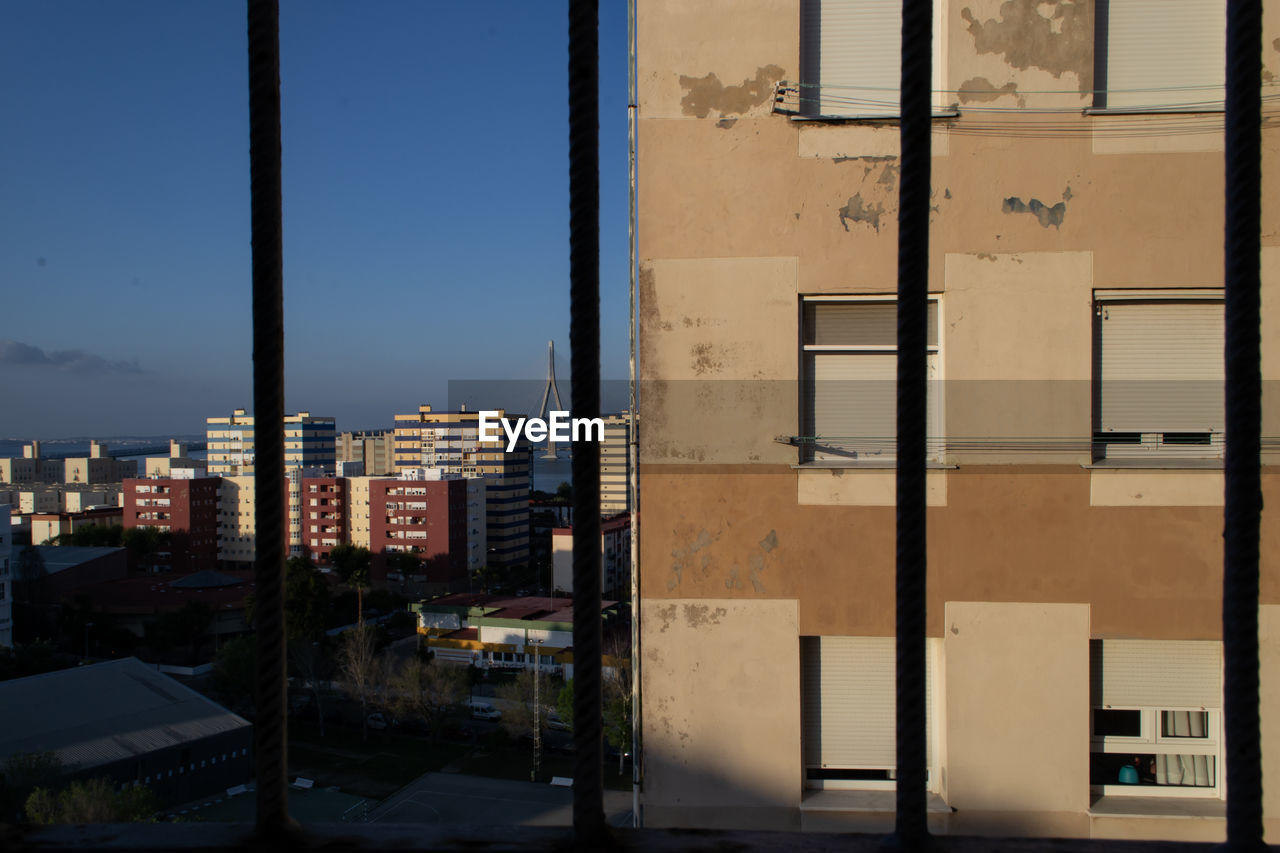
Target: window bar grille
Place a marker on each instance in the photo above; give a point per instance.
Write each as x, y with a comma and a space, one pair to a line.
1242, 505
268, 409
911, 827
584, 345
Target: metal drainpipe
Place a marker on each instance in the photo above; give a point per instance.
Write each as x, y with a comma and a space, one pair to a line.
633, 443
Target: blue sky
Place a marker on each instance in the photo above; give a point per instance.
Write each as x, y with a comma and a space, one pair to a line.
425, 207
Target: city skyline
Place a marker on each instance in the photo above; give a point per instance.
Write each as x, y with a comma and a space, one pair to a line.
418, 230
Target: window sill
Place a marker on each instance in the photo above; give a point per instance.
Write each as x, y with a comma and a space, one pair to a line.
1157, 464
1157, 807
869, 464
937, 115
1148, 111
862, 801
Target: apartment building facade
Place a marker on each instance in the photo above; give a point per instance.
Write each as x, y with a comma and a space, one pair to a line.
450, 442
615, 465
185, 508
6, 577
1075, 416
428, 519
325, 506
375, 449
308, 441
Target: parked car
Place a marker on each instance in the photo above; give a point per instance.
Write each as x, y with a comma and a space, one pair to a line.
376, 721
484, 711
555, 723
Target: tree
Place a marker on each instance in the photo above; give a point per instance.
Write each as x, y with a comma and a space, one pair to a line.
145, 544
306, 601
23, 773
351, 562
617, 713
358, 662
428, 691
235, 673
314, 668
564, 492
92, 801
564, 704
517, 710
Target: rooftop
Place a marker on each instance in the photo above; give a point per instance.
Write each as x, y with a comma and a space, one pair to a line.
134, 710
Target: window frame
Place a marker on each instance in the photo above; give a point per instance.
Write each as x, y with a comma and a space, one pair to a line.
935, 432
1152, 446
1150, 741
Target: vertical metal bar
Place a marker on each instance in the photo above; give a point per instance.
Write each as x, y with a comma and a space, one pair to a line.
584, 345
911, 826
268, 408
1243, 491
633, 438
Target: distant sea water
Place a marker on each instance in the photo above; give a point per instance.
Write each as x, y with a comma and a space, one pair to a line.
547, 473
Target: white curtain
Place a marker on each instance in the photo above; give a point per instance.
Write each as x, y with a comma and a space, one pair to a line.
1192, 770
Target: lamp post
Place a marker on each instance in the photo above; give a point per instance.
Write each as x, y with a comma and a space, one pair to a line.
537, 711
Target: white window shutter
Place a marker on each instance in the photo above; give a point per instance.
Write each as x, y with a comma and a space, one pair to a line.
1155, 673
849, 700
1162, 367
1165, 54
855, 48
853, 408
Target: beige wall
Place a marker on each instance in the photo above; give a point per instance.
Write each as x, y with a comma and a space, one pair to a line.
742, 213
1269, 710
236, 533
1017, 717
722, 713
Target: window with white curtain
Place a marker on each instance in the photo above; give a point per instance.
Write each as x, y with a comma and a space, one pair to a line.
850, 379
1161, 55
851, 58
1159, 375
1155, 717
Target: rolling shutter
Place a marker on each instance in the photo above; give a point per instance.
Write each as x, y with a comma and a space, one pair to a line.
853, 414
1155, 673
1162, 366
848, 701
853, 51
1165, 54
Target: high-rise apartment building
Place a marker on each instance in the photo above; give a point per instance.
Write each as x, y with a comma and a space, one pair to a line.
615, 465
308, 441
237, 525
325, 507
1076, 424
185, 508
375, 449
449, 441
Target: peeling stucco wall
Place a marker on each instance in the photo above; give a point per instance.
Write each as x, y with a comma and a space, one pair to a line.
1053, 35
707, 93
1045, 214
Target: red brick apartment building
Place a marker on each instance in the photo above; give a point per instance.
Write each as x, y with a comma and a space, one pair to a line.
188, 509
423, 517
325, 504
